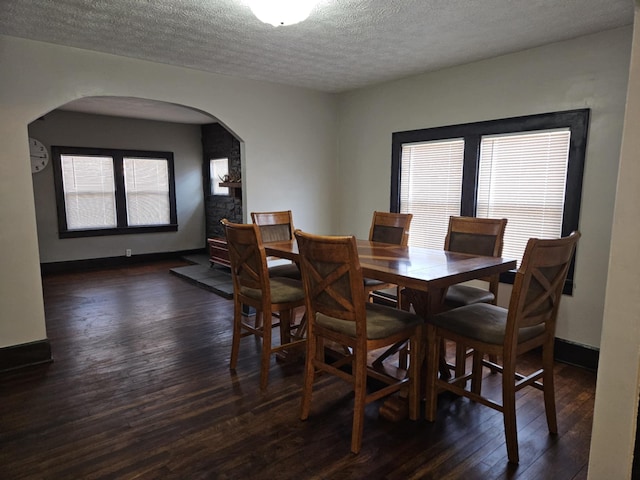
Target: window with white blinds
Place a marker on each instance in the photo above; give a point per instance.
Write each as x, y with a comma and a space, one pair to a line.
146, 182
218, 169
109, 191
525, 169
431, 188
522, 177
89, 191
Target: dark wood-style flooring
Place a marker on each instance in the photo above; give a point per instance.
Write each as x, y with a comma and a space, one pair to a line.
140, 388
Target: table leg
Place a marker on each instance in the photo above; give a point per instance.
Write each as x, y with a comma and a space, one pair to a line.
425, 304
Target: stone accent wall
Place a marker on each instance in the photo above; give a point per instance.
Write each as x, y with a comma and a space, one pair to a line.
218, 142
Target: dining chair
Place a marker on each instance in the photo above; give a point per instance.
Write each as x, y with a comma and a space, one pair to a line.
253, 287
477, 236
277, 227
528, 323
338, 312
392, 228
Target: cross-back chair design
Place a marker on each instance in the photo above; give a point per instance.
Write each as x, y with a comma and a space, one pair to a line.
338, 311
253, 287
277, 227
528, 323
392, 228
478, 236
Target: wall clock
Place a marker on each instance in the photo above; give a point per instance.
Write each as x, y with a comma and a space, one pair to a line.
39, 155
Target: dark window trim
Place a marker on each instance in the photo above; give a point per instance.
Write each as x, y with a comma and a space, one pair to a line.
576, 120
121, 210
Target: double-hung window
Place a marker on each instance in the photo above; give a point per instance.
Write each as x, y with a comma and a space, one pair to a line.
526, 169
110, 192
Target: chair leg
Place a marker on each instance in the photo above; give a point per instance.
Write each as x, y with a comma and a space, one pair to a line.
476, 373
549, 390
414, 371
432, 367
493, 359
285, 327
461, 359
265, 361
360, 390
235, 343
509, 409
309, 375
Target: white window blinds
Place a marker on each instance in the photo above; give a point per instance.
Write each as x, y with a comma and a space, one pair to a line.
522, 178
431, 188
89, 191
147, 191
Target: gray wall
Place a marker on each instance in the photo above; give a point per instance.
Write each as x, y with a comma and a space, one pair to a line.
587, 72
287, 134
82, 130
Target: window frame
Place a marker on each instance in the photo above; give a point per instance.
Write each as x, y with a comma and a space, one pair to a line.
117, 156
576, 120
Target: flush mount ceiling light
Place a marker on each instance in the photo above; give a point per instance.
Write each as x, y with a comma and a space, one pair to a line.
281, 12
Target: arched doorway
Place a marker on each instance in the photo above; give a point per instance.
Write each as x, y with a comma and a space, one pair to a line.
137, 124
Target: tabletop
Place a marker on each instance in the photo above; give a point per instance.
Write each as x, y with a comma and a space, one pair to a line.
413, 267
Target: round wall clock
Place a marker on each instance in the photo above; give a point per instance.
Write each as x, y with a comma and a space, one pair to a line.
39, 155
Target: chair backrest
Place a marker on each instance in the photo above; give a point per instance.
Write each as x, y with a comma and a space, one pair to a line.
247, 256
538, 285
332, 278
390, 228
274, 226
478, 236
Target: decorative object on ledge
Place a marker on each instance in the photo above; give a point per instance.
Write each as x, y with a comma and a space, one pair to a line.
233, 181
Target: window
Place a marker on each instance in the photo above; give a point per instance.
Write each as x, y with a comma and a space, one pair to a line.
526, 169
218, 170
109, 192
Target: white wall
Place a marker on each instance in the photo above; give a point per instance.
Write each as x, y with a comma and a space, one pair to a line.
97, 131
586, 72
616, 407
288, 134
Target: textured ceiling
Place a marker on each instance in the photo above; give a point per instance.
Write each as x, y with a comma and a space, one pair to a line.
344, 44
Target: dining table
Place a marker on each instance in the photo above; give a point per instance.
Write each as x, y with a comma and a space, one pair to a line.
424, 273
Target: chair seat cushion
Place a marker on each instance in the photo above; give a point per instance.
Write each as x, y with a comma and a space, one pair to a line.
283, 290
381, 322
483, 322
372, 282
289, 270
460, 295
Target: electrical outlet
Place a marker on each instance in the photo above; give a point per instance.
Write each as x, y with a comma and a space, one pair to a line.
128, 252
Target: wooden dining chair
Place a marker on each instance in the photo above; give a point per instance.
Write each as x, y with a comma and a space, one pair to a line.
392, 228
477, 236
338, 312
528, 323
277, 227
252, 286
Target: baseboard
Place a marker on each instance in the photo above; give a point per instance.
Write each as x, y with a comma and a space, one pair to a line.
576, 354
113, 262
24, 355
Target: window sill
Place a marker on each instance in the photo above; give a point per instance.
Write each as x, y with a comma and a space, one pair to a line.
102, 232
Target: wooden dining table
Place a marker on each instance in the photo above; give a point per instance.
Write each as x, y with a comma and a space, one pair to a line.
425, 273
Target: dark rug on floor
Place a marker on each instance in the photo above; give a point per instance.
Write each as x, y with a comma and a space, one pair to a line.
215, 278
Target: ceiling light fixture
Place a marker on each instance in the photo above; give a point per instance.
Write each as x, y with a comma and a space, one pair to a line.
281, 12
